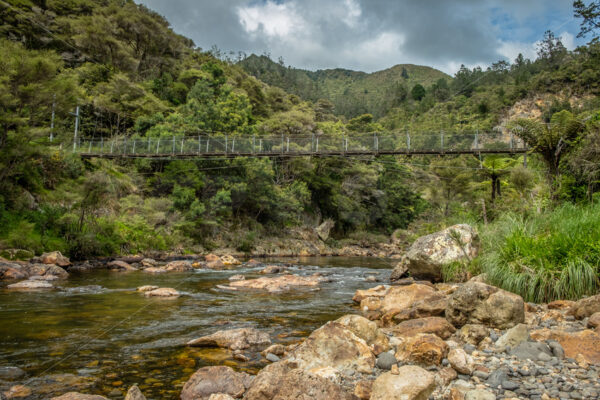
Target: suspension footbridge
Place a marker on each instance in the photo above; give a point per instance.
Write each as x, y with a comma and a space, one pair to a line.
231, 146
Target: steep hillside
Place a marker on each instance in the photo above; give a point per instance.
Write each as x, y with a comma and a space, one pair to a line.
352, 92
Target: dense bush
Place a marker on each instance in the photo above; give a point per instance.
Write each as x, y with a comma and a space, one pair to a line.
544, 257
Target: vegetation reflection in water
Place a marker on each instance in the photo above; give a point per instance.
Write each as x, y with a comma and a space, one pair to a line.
98, 328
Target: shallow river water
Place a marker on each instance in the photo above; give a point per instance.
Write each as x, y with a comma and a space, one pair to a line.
96, 334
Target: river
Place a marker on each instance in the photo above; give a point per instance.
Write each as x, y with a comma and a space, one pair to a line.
96, 334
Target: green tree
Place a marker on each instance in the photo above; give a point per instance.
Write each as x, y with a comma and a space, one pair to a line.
590, 15
418, 92
552, 141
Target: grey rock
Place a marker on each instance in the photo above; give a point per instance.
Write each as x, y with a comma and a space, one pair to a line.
497, 377
556, 349
509, 385
385, 361
481, 375
469, 348
272, 357
531, 351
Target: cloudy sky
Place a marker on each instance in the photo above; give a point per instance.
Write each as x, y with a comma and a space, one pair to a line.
371, 35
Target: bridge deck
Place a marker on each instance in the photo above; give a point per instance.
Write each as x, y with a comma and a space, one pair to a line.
301, 154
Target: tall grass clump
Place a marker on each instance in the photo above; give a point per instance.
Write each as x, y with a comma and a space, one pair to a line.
545, 257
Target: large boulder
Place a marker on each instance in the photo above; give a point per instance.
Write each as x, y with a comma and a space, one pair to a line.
283, 381
411, 383
334, 345
324, 229
423, 348
234, 339
217, 379
55, 258
428, 254
435, 325
585, 307
400, 298
433, 305
478, 303
366, 330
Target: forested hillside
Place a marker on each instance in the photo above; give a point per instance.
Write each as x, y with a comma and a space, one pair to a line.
352, 93
133, 77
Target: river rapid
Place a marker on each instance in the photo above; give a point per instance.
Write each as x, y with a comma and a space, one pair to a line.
95, 333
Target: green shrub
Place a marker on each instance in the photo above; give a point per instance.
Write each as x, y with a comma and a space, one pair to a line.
555, 255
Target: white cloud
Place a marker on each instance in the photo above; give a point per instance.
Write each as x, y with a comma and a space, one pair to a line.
568, 40
511, 50
274, 20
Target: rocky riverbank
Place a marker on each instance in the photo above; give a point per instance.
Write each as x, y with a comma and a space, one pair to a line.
411, 339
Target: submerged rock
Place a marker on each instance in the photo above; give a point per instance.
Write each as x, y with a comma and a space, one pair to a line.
31, 285
478, 303
162, 292
212, 380
429, 254
9, 373
146, 288
272, 269
410, 383
134, 393
234, 339
276, 284
79, 396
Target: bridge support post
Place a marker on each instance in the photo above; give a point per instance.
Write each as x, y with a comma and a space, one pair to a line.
133, 147
253, 144
408, 142
157, 145
207, 142
375, 143
181, 149
442, 141
317, 144
233, 145
199, 143
511, 142
282, 144
225, 144
102, 145
173, 151
288, 145
477, 140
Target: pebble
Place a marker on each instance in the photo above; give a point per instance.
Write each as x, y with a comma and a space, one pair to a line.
510, 385
272, 357
385, 361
